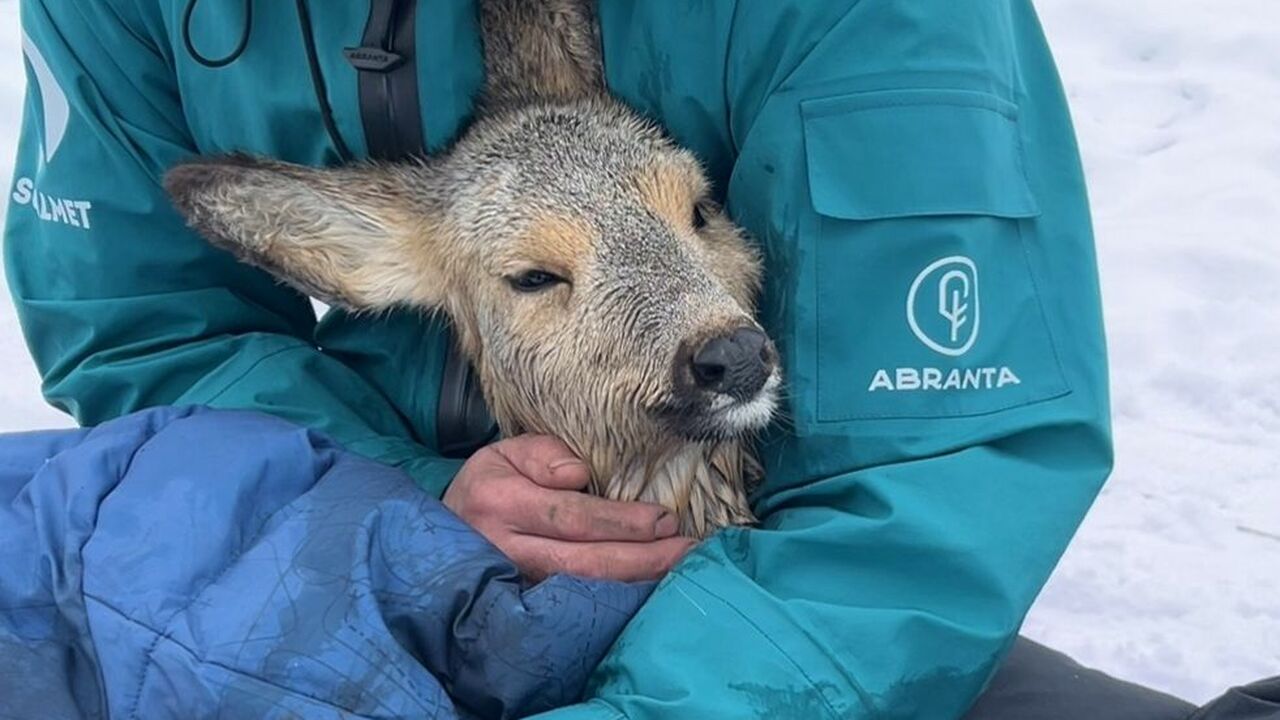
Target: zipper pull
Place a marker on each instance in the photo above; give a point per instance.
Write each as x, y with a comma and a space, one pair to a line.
373, 59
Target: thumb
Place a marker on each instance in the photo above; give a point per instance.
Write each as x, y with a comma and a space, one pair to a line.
545, 460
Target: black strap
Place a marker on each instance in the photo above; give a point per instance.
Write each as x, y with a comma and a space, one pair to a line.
463, 422
389, 81
392, 122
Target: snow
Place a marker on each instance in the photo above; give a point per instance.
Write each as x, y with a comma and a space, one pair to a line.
1174, 579
21, 406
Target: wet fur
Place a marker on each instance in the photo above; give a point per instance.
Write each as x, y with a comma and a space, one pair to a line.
556, 174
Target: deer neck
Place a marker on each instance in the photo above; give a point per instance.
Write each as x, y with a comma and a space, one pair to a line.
704, 484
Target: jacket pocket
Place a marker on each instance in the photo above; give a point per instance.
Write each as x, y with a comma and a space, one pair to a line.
926, 305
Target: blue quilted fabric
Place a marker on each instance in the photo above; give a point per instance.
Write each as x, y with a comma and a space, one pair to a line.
187, 563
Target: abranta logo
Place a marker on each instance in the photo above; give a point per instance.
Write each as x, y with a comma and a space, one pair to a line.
944, 312
943, 308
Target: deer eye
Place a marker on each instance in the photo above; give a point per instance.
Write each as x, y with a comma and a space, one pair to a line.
699, 219
533, 281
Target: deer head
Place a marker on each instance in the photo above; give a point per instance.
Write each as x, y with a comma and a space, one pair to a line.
602, 295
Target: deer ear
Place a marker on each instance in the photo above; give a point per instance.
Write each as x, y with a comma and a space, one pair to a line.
546, 51
353, 237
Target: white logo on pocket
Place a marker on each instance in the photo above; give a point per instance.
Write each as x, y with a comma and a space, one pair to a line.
943, 308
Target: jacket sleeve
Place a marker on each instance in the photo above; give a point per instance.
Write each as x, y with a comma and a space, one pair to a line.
910, 172
319, 584
122, 306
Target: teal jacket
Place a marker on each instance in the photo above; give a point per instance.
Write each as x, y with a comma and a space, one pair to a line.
909, 171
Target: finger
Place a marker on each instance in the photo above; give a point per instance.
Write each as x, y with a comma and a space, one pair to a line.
572, 516
539, 558
545, 460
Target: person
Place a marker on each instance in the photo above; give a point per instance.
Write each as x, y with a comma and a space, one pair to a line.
910, 175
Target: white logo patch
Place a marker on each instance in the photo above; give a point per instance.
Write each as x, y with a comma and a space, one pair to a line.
947, 288
63, 211
944, 313
57, 111
57, 114
981, 378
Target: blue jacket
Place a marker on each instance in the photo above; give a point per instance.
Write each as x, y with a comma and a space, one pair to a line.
183, 563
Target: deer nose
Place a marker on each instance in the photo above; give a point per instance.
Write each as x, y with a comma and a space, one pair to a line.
737, 364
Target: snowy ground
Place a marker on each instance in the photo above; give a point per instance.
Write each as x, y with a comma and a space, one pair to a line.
1174, 580
20, 403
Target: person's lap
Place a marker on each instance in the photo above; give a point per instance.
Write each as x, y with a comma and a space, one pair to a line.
1037, 683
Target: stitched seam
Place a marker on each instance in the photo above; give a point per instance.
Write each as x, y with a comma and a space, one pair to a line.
617, 712
259, 362
249, 370
396, 680
211, 663
838, 106
847, 418
1031, 273
863, 697
142, 676
804, 59
97, 512
226, 568
882, 99
923, 211
198, 594
1044, 315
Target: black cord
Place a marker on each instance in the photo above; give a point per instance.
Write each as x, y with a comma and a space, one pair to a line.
317, 81
313, 63
230, 58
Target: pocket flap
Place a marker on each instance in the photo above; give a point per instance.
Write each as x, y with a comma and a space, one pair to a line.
898, 153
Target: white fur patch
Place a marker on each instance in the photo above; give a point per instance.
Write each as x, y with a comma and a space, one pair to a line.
737, 417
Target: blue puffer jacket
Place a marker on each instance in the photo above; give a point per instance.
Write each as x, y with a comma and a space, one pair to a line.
186, 563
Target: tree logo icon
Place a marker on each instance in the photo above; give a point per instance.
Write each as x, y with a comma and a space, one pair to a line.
942, 306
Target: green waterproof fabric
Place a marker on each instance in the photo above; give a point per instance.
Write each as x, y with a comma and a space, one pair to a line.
909, 171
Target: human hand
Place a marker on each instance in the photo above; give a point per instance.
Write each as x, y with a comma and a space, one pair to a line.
524, 495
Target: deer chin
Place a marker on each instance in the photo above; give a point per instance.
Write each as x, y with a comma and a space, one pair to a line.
715, 417
704, 484
731, 418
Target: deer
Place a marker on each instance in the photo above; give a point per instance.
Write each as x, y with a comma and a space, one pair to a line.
599, 291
